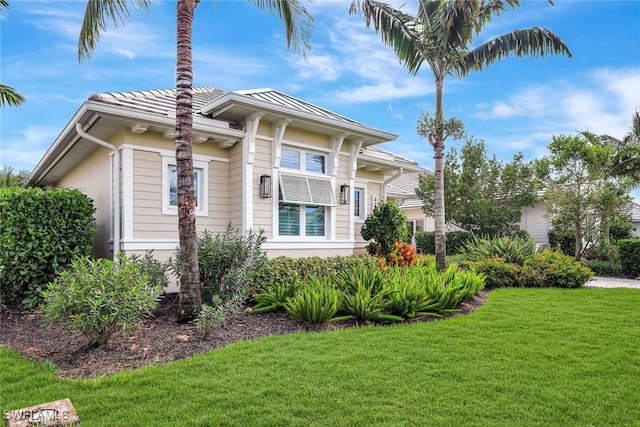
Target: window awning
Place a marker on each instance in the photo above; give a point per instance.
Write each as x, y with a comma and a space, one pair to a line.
306, 190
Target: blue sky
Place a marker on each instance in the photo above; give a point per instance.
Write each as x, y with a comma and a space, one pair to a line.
515, 105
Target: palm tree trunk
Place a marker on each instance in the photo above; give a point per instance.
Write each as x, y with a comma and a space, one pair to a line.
438, 175
190, 300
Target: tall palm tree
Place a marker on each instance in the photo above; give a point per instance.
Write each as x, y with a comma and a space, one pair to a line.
8, 95
297, 22
440, 34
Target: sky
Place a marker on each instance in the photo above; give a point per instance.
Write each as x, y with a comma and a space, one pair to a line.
515, 105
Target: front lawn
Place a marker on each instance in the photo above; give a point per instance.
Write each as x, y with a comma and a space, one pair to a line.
528, 357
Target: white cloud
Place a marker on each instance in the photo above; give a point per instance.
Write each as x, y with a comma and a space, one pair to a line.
384, 91
321, 67
26, 146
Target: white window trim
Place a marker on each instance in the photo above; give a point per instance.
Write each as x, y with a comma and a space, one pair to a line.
363, 202
203, 206
303, 160
302, 224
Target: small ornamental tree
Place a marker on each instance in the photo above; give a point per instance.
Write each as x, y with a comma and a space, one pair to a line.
386, 225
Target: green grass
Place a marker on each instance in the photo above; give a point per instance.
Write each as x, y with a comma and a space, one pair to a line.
528, 357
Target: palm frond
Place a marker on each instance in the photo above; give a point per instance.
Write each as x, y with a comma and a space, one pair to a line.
96, 15
398, 30
296, 18
9, 96
533, 41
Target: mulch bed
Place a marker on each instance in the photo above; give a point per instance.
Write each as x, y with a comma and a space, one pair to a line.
159, 339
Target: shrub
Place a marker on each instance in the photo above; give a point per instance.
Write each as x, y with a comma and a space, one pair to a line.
426, 242
214, 315
317, 303
424, 260
605, 268
274, 296
284, 270
41, 232
629, 251
155, 270
513, 250
554, 269
364, 296
99, 297
385, 226
563, 240
228, 262
427, 292
497, 272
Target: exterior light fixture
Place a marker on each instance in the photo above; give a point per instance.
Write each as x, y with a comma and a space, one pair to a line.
265, 186
344, 194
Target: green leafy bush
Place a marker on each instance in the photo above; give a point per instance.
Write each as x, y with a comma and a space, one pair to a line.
317, 303
214, 314
408, 296
605, 268
554, 269
426, 242
629, 251
386, 225
155, 270
41, 232
99, 297
228, 262
497, 272
563, 239
513, 250
274, 296
364, 296
283, 270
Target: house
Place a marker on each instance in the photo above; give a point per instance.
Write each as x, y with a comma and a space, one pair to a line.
265, 160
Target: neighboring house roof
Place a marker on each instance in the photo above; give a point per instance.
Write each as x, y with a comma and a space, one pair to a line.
404, 188
217, 117
635, 212
374, 158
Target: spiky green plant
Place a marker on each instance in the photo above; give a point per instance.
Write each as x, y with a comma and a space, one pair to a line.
274, 296
317, 303
511, 249
407, 294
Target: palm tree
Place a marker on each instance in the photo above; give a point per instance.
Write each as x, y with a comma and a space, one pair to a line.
626, 161
297, 22
440, 35
8, 95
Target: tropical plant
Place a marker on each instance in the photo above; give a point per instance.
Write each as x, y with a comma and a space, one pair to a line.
8, 95
316, 303
510, 249
297, 22
10, 179
274, 296
364, 296
441, 34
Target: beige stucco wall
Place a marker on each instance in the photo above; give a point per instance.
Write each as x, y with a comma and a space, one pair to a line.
92, 177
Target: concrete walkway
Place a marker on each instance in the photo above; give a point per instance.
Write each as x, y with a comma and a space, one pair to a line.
612, 282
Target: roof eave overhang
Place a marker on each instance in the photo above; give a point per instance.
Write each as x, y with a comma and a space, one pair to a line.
90, 111
230, 101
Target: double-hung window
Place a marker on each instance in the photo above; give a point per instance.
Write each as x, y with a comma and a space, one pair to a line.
306, 193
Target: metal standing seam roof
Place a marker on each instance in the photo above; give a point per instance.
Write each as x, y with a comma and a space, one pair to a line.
157, 101
284, 100
163, 101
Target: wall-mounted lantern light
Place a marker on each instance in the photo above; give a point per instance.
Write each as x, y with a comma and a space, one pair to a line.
344, 194
265, 186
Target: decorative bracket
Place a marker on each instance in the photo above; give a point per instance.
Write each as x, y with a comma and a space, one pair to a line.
336, 146
278, 136
355, 150
253, 120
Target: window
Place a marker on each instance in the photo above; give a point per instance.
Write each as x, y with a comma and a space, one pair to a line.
170, 187
313, 162
305, 195
358, 203
294, 218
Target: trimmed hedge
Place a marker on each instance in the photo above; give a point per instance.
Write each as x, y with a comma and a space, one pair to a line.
426, 242
41, 232
629, 252
285, 270
605, 268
